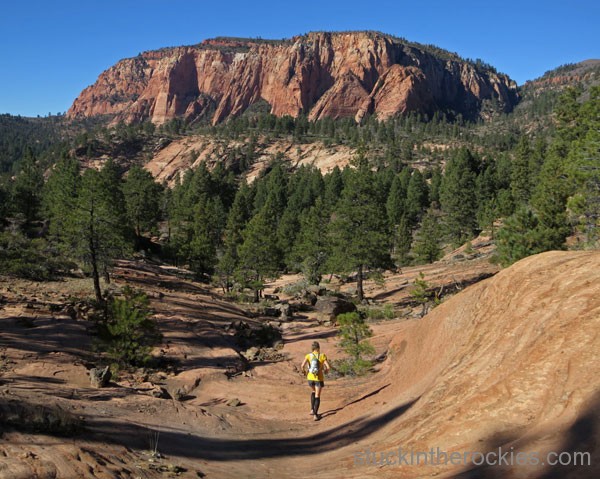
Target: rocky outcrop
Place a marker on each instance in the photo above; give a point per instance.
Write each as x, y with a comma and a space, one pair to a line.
319, 74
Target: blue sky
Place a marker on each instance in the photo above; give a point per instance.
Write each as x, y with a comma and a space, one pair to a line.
51, 50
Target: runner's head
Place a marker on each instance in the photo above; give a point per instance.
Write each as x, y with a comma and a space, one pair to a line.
315, 346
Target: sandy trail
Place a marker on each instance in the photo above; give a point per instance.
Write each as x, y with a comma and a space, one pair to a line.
511, 361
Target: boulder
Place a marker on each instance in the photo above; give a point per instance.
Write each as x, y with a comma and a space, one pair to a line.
329, 307
159, 392
271, 312
317, 290
251, 354
99, 378
284, 309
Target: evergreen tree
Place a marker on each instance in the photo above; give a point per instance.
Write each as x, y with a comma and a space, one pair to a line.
354, 332
417, 197
27, 188
238, 216
96, 226
311, 248
458, 196
426, 247
258, 255
436, 183
396, 202
520, 173
520, 236
536, 160
272, 187
59, 196
142, 200
4, 201
205, 232
583, 168
302, 191
334, 184
359, 231
420, 293
549, 201
402, 242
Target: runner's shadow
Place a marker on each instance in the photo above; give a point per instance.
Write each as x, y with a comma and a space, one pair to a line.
333, 412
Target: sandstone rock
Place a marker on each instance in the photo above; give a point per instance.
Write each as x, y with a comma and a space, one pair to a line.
159, 392
251, 354
234, 402
154, 390
272, 312
180, 386
309, 298
330, 306
284, 309
99, 378
321, 74
316, 290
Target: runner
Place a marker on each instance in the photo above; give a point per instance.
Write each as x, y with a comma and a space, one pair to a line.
317, 365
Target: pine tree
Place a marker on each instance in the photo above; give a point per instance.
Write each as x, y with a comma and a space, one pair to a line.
426, 247
549, 201
396, 202
402, 242
27, 188
536, 160
354, 332
417, 197
434, 190
59, 196
521, 236
205, 233
458, 196
334, 184
4, 201
359, 232
420, 293
520, 173
583, 168
96, 227
311, 248
237, 218
258, 254
142, 200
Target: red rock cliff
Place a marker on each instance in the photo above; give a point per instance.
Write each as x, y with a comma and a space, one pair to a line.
318, 74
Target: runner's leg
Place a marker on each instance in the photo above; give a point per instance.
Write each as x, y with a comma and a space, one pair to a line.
318, 389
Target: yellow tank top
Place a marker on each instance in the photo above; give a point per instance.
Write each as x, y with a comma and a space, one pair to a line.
313, 377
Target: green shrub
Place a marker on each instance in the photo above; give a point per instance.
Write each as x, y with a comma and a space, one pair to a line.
30, 259
129, 332
385, 312
38, 418
353, 332
295, 289
350, 367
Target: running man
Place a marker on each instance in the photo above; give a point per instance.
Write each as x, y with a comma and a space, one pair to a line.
317, 365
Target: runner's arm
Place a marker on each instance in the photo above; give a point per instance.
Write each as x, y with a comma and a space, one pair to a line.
303, 364
326, 366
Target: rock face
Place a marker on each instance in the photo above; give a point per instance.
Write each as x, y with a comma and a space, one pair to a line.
319, 74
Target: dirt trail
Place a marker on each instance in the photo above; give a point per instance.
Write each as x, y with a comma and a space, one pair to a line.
512, 361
